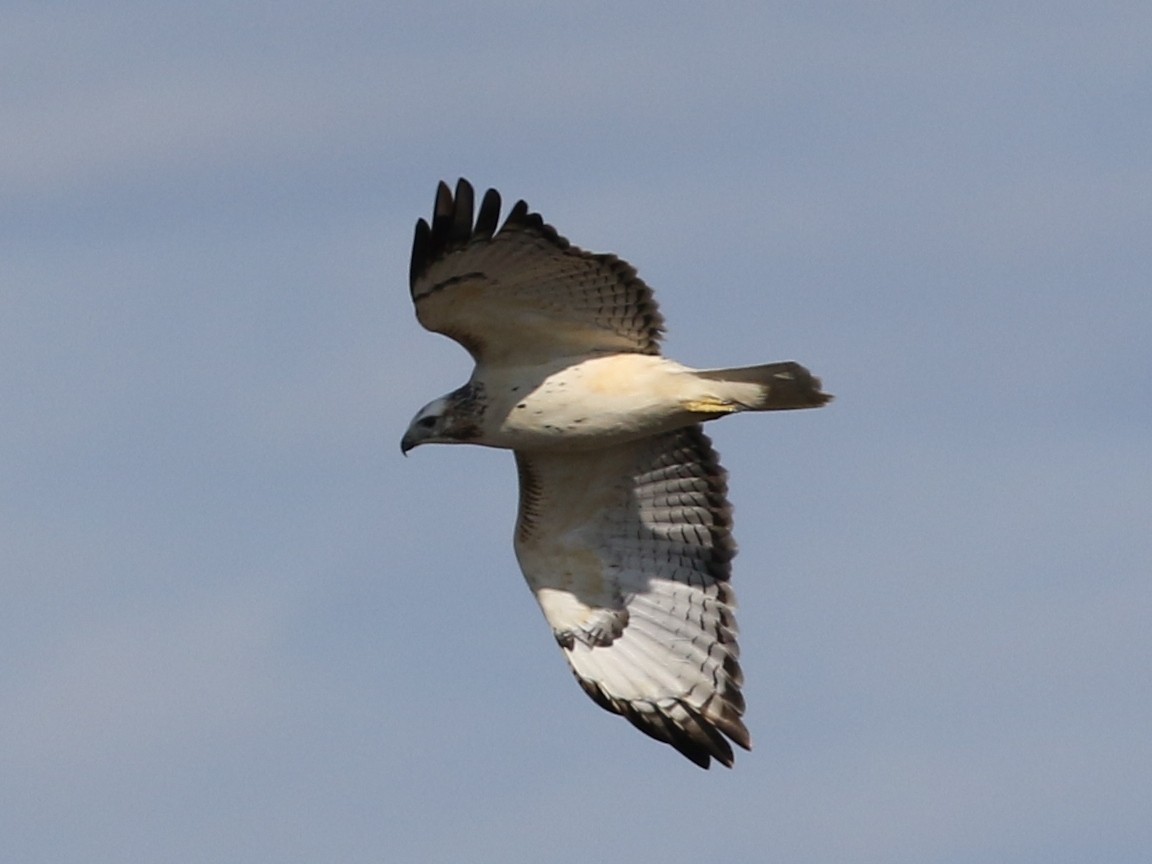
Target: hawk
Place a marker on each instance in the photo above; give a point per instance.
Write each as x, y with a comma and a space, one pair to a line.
624, 526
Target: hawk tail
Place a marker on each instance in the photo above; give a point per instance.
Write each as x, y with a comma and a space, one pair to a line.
771, 387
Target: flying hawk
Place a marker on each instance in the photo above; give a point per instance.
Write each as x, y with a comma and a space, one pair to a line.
624, 529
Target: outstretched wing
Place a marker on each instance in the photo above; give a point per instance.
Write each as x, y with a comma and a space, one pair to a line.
627, 550
523, 294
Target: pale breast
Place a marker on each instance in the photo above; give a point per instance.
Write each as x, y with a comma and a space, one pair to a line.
587, 403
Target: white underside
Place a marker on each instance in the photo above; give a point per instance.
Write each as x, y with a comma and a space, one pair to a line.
595, 402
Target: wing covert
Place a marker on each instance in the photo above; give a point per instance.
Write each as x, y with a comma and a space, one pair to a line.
521, 293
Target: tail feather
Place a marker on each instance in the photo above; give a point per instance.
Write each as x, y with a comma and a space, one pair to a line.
777, 386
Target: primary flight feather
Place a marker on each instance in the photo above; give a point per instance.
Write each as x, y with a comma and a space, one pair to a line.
624, 528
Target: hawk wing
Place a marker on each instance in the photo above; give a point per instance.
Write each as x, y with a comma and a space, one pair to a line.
627, 550
523, 294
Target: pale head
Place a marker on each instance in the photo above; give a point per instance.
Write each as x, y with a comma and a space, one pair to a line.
451, 419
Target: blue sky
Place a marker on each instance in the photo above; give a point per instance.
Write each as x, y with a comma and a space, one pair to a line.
238, 626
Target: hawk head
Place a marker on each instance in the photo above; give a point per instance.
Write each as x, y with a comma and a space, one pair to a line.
451, 419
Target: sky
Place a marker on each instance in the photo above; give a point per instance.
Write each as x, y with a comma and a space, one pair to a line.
237, 626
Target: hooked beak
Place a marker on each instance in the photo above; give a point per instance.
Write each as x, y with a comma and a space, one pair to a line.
407, 443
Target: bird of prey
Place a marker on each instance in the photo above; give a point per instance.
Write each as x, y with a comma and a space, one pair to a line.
624, 525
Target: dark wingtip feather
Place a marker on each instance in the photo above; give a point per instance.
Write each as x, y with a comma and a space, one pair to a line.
523, 219
727, 718
421, 247
461, 230
442, 209
692, 743
489, 216
700, 739
518, 215
442, 218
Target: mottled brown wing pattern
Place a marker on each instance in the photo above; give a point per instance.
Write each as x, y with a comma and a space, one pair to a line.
521, 293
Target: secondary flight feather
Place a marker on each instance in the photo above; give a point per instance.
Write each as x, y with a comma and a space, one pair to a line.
624, 526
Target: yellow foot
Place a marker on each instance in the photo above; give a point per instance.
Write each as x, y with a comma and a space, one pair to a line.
710, 406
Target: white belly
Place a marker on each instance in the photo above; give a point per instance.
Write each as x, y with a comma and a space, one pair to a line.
590, 403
